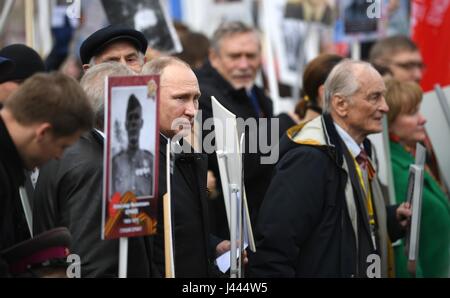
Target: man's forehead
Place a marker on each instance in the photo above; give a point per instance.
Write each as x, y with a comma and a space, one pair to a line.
240, 40
370, 80
406, 55
120, 45
178, 75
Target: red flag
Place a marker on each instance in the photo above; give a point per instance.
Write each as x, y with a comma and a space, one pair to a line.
430, 21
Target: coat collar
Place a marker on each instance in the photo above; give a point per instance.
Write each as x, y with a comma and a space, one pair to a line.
10, 155
321, 132
209, 72
402, 157
208, 75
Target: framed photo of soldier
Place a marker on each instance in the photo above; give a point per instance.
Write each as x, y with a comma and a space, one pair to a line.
360, 20
299, 31
148, 16
131, 156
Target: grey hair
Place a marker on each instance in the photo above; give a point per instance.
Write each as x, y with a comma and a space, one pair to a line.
384, 49
93, 83
141, 58
343, 81
156, 66
230, 28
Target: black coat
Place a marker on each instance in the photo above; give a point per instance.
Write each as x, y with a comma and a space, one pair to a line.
69, 193
256, 176
190, 223
304, 228
13, 225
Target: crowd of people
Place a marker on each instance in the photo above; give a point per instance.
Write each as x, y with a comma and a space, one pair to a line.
320, 211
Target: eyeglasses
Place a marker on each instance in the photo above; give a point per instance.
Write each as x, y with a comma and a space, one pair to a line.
410, 65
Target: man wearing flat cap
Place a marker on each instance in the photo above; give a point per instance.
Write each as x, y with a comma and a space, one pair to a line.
132, 169
114, 43
44, 255
26, 63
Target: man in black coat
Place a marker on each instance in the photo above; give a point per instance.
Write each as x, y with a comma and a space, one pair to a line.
69, 193
324, 214
42, 118
193, 245
229, 76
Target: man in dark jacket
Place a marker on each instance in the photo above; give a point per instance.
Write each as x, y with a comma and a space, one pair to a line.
38, 122
179, 93
69, 193
324, 214
229, 76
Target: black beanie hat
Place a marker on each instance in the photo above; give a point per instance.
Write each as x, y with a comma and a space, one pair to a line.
27, 62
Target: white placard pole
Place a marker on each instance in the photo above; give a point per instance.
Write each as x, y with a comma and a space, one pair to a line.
167, 206
270, 62
123, 257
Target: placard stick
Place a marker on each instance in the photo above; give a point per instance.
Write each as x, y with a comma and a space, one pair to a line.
167, 207
123, 257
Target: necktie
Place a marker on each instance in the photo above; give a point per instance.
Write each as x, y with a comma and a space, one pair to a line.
363, 160
364, 163
254, 102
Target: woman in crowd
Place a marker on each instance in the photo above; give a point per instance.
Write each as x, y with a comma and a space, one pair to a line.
406, 128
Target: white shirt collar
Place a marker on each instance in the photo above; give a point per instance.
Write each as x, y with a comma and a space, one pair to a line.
351, 144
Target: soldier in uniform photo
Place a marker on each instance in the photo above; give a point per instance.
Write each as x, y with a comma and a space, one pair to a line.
132, 169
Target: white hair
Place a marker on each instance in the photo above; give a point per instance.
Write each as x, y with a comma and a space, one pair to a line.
343, 81
93, 83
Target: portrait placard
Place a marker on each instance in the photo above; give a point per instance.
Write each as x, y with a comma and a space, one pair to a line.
131, 156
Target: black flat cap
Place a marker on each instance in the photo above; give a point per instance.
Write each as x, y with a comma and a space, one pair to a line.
26, 60
38, 251
6, 65
94, 44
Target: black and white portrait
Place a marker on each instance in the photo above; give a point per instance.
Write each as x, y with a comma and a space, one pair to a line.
147, 16
132, 141
356, 18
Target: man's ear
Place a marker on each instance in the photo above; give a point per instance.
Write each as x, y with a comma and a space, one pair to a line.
213, 57
340, 105
43, 130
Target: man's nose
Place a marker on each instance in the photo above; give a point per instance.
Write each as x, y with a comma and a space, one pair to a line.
191, 109
123, 61
243, 62
384, 106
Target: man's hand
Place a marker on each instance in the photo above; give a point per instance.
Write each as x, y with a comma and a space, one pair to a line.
225, 246
211, 185
403, 214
